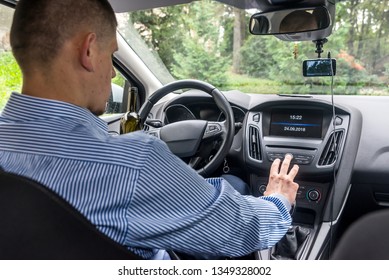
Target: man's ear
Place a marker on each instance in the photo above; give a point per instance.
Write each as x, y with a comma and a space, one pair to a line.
87, 51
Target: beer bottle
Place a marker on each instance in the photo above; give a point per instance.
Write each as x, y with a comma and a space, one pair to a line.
130, 121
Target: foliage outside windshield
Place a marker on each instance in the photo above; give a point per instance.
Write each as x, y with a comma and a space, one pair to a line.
209, 41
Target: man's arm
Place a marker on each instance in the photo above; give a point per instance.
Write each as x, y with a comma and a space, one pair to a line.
175, 208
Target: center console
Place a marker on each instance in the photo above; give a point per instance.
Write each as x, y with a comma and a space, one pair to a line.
316, 139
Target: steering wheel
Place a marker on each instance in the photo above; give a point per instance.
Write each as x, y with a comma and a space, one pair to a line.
185, 137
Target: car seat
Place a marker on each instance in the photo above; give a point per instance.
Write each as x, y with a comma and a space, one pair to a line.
365, 239
35, 223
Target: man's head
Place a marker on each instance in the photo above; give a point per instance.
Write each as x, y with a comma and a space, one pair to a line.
72, 37
298, 21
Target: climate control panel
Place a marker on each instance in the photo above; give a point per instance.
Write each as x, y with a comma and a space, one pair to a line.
310, 195
304, 194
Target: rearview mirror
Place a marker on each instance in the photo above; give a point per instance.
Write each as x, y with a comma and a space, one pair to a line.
300, 24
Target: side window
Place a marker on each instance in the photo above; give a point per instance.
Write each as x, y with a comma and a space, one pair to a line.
124, 96
10, 74
115, 101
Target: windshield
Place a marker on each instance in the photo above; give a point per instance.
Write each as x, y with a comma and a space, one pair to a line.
210, 41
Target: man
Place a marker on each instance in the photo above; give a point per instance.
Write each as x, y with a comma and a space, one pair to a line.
130, 186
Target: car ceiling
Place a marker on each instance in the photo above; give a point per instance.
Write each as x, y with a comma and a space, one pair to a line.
264, 5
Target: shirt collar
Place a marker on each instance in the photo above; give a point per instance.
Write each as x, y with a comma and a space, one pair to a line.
26, 108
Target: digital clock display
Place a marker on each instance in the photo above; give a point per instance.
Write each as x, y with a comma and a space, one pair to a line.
296, 123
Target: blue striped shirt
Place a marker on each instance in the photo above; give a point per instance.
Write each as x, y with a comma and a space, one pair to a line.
131, 186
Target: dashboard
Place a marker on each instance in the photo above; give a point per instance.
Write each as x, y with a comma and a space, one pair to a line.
302, 126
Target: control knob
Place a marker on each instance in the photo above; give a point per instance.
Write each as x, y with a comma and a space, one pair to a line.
262, 189
313, 195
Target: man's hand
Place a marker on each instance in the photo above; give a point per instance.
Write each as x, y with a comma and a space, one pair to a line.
280, 181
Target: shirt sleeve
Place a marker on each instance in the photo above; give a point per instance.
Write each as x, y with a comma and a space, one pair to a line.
174, 208
282, 198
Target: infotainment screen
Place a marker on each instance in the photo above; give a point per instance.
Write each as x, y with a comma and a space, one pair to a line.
296, 123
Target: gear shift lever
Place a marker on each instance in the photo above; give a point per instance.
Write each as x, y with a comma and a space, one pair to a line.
292, 244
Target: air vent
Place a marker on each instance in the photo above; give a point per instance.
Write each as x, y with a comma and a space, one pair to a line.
331, 149
254, 143
146, 127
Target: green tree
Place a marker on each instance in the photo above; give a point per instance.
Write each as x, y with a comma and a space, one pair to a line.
187, 38
163, 28
196, 62
367, 39
202, 57
10, 77
239, 38
256, 57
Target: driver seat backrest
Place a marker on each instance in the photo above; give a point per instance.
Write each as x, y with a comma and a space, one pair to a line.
35, 223
365, 239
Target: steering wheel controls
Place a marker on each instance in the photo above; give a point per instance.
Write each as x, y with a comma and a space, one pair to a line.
212, 130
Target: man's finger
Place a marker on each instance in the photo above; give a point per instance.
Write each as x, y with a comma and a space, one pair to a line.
275, 166
293, 171
286, 163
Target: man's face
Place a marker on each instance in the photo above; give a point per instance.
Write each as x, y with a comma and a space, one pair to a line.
104, 72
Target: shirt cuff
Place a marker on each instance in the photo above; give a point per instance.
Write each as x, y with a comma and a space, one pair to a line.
283, 200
